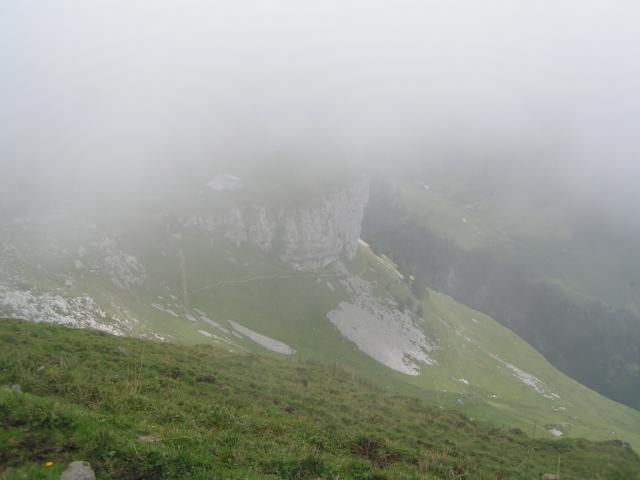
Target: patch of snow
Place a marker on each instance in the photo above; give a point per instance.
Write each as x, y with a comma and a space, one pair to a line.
463, 380
384, 333
474, 320
205, 333
263, 340
331, 287
225, 182
555, 432
78, 264
190, 317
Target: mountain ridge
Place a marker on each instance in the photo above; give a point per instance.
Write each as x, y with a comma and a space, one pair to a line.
155, 279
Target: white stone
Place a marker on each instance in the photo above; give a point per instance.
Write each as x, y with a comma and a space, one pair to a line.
78, 471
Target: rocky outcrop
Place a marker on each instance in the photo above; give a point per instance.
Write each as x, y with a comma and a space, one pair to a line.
304, 237
53, 307
315, 237
125, 271
381, 330
251, 224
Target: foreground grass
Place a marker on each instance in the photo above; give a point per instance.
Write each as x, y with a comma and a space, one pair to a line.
207, 413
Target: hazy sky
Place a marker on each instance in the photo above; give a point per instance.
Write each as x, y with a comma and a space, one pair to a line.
107, 89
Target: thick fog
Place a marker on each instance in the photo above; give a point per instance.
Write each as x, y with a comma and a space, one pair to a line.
114, 96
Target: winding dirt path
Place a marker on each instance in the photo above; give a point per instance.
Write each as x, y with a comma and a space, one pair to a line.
260, 278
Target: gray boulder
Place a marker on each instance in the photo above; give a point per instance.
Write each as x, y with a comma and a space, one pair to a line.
78, 471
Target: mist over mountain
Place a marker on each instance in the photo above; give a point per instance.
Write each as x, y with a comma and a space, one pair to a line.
420, 210
113, 97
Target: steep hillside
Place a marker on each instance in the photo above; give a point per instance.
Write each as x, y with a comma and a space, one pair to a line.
197, 277
144, 409
534, 265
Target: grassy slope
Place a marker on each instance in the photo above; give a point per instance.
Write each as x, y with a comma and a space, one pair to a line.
249, 288
291, 307
495, 394
592, 274
223, 415
470, 340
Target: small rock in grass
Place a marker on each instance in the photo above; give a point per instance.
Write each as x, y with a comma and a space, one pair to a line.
78, 471
550, 476
16, 388
149, 438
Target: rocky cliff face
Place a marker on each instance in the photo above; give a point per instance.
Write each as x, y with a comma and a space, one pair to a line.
315, 237
306, 238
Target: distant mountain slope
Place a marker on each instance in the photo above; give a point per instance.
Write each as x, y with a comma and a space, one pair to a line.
145, 409
187, 285
527, 262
